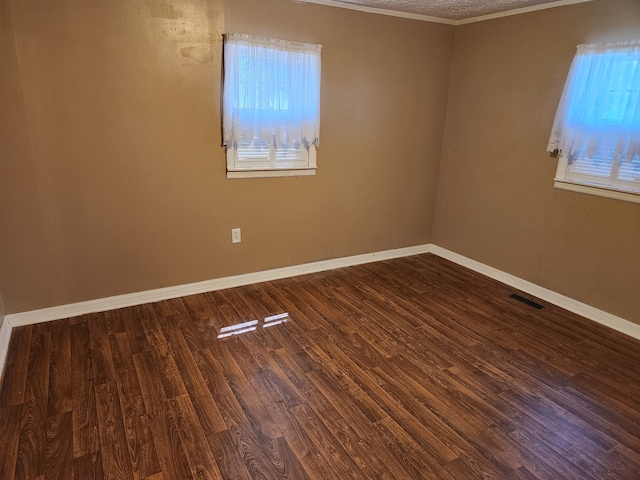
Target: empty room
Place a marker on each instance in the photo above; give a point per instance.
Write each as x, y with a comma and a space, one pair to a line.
320, 239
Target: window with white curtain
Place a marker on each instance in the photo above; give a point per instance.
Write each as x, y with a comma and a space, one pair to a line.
271, 106
597, 125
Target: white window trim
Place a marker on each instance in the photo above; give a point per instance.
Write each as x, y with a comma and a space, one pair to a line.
288, 122
271, 171
616, 193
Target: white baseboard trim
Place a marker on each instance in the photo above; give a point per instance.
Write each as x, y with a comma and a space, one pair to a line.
5, 337
120, 301
139, 298
587, 311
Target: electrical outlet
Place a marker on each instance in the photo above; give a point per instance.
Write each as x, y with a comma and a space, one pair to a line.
235, 235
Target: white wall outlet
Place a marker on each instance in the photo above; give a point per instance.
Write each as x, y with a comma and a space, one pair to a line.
235, 235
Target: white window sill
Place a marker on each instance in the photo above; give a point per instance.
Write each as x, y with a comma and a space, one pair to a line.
600, 191
280, 172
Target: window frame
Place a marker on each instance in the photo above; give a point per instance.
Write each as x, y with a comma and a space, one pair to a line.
246, 159
268, 168
583, 185
598, 173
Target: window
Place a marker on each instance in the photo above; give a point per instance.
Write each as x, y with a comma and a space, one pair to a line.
597, 125
271, 106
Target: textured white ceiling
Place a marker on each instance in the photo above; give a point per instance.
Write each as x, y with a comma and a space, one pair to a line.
453, 10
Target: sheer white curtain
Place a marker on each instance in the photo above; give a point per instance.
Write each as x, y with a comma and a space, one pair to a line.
599, 112
271, 91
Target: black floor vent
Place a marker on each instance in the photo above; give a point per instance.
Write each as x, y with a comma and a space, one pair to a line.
526, 301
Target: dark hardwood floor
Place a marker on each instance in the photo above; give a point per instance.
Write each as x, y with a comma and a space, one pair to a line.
406, 369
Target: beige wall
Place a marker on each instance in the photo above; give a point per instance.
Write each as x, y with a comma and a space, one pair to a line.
113, 178
496, 202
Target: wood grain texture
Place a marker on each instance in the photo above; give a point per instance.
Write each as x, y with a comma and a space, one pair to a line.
12, 392
404, 369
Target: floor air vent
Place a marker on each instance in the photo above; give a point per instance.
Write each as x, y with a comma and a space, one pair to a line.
526, 301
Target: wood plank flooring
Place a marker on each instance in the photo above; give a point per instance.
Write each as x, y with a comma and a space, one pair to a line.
412, 368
